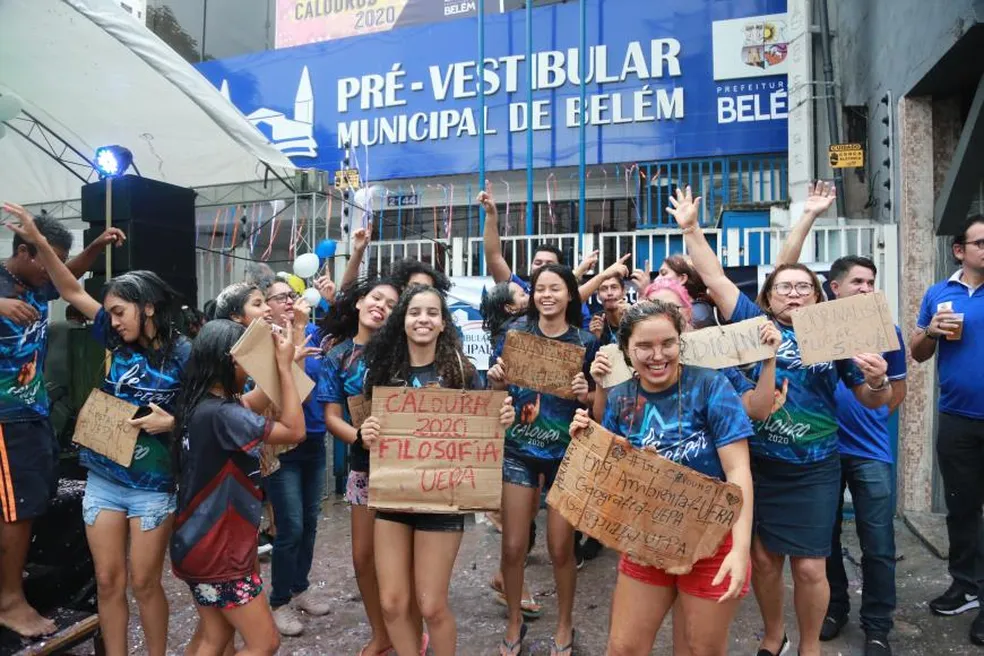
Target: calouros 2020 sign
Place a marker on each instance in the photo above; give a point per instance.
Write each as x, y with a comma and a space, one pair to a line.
665, 80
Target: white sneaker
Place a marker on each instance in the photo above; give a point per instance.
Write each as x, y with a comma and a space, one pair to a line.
312, 603
264, 550
287, 621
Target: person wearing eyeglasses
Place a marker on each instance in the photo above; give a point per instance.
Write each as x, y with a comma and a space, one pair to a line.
795, 462
951, 325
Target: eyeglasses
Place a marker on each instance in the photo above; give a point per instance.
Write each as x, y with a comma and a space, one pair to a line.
645, 352
283, 298
979, 243
786, 288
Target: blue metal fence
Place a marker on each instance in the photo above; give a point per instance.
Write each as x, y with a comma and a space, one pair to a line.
720, 181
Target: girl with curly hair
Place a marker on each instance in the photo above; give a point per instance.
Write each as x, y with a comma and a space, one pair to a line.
415, 552
360, 310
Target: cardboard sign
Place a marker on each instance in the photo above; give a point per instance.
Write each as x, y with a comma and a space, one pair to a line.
635, 501
838, 330
440, 450
719, 347
542, 364
255, 352
104, 426
359, 408
620, 371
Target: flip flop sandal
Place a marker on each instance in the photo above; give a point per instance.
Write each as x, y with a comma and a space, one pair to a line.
529, 607
566, 649
425, 641
517, 646
384, 652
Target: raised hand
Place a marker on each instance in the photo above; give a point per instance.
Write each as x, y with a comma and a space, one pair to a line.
685, 208
819, 198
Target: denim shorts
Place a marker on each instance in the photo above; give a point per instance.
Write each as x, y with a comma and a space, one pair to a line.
526, 471
103, 494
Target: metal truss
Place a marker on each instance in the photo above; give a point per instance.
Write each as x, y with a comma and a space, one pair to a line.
51, 144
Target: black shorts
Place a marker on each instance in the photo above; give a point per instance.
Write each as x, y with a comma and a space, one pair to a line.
28, 469
431, 522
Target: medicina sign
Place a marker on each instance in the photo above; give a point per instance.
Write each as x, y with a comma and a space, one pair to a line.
667, 80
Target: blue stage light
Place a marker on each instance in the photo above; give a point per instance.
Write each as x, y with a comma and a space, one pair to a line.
112, 161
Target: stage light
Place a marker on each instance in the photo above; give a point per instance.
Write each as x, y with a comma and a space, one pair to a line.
112, 161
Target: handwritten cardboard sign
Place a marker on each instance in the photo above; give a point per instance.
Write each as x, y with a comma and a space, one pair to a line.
440, 450
542, 364
620, 370
359, 408
103, 425
837, 330
635, 501
256, 354
718, 347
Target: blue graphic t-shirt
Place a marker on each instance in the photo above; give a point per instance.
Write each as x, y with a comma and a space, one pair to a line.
134, 379
863, 431
803, 424
23, 396
542, 426
342, 374
686, 423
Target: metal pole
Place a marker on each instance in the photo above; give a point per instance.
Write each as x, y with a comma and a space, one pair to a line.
582, 155
481, 114
832, 124
109, 224
529, 117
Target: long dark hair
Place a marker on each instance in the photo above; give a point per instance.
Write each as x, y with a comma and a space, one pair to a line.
144, 288
401, 270
231, 301
387, 355
208, 365
496, 316
573, 314
341, 322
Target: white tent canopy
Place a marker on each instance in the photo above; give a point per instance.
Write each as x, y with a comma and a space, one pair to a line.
94, 76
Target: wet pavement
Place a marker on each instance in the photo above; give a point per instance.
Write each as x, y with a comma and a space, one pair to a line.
481, 621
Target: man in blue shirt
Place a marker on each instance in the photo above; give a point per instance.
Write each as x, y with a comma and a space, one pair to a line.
951, 325
866, 469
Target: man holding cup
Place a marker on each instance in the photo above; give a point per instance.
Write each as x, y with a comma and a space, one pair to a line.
951, 322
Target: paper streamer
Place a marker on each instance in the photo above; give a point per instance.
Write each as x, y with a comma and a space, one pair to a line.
450, 215
508, 201
550, 212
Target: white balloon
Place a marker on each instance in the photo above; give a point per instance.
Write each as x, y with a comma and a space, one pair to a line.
369, 197
312, 296
305, 266
10, 106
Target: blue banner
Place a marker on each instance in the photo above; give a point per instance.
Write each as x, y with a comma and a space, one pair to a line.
665, 80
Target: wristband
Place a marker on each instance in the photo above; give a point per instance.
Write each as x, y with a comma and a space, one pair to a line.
884, 385
358, 434
930, 335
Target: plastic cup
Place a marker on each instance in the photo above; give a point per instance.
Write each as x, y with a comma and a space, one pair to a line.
957, 334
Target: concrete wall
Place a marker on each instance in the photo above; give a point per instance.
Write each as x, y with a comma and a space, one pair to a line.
888, 46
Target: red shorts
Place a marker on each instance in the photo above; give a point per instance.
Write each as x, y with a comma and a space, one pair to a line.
697, 583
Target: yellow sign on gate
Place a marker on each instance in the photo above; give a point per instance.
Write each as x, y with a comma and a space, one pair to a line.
846, 156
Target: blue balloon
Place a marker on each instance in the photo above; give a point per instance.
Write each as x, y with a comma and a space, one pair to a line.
326, 249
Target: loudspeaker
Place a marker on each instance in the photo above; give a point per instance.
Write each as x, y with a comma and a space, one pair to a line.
159, 222
139, 199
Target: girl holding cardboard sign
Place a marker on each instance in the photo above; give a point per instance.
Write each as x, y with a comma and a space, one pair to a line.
415, 552
794, 452
535, 446
359, 311
138, 323
692, 416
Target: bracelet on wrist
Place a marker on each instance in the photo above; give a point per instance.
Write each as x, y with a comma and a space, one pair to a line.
930, 335
881, 387
689, 229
